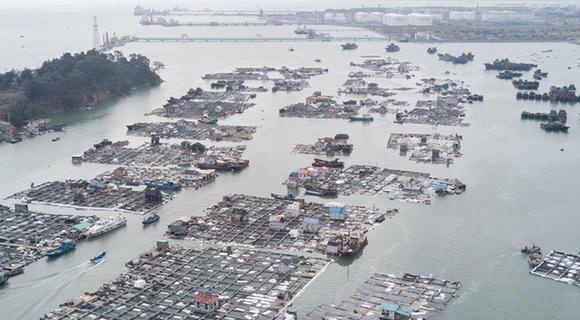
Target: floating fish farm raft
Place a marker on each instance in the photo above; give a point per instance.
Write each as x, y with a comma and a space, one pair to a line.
179, 283
559, 266
383, 68
26, 235
371, 180
183, 129
200, 104
337, 145
423, 297
93, 194
275, 223
171, 178
267, 73
157, 154
431, 148
321, 107
361, 87
448, 111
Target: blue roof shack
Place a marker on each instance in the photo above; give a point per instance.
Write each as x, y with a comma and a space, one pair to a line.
440, 187
294, 174
393, 311
337, 211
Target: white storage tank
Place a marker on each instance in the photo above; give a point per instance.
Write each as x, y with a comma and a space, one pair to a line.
376, 17
339, 18
420, 19
328, 17
462, 15
394, 19
361, 17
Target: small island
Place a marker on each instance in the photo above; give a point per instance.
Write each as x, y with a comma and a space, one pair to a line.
71, 82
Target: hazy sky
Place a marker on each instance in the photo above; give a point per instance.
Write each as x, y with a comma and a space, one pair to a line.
266, 4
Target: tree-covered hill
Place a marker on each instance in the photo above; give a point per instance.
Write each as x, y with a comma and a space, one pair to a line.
72, 82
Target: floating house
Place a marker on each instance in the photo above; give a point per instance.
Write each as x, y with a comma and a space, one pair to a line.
205, 302
393, 311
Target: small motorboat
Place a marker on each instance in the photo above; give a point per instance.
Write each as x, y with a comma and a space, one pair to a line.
529, 250
535, 259
151, 219
55, 139
98, 258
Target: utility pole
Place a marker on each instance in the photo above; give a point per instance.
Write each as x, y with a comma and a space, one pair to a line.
96, 38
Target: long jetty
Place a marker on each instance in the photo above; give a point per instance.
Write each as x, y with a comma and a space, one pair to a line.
127, 39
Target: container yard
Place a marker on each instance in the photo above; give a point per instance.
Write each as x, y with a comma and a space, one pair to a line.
427, 148
401, 185
278, 224
179, 283
184, 129
392, 297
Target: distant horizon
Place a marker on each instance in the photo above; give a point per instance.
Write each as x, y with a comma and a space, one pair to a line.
276, 4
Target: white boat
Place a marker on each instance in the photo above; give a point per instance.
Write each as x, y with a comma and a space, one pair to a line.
106, 225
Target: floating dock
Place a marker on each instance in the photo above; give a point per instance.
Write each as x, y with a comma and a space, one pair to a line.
383, 68
179, 283
199, 104
275, 224
424, 297
172, 178
401, 185
185, 154
184, 129
331, 146
559, 266
427, 148
320, 107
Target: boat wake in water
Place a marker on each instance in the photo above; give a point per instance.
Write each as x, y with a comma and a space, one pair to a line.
62, 280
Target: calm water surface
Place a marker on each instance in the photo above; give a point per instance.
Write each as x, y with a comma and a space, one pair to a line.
521, 187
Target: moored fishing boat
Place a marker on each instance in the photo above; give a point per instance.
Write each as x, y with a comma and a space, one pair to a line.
106, 225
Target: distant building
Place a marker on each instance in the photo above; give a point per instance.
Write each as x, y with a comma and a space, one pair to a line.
376, 17
339, 18
395, 19
420, 19
328, 17
361, 17
462, 15
506, 16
